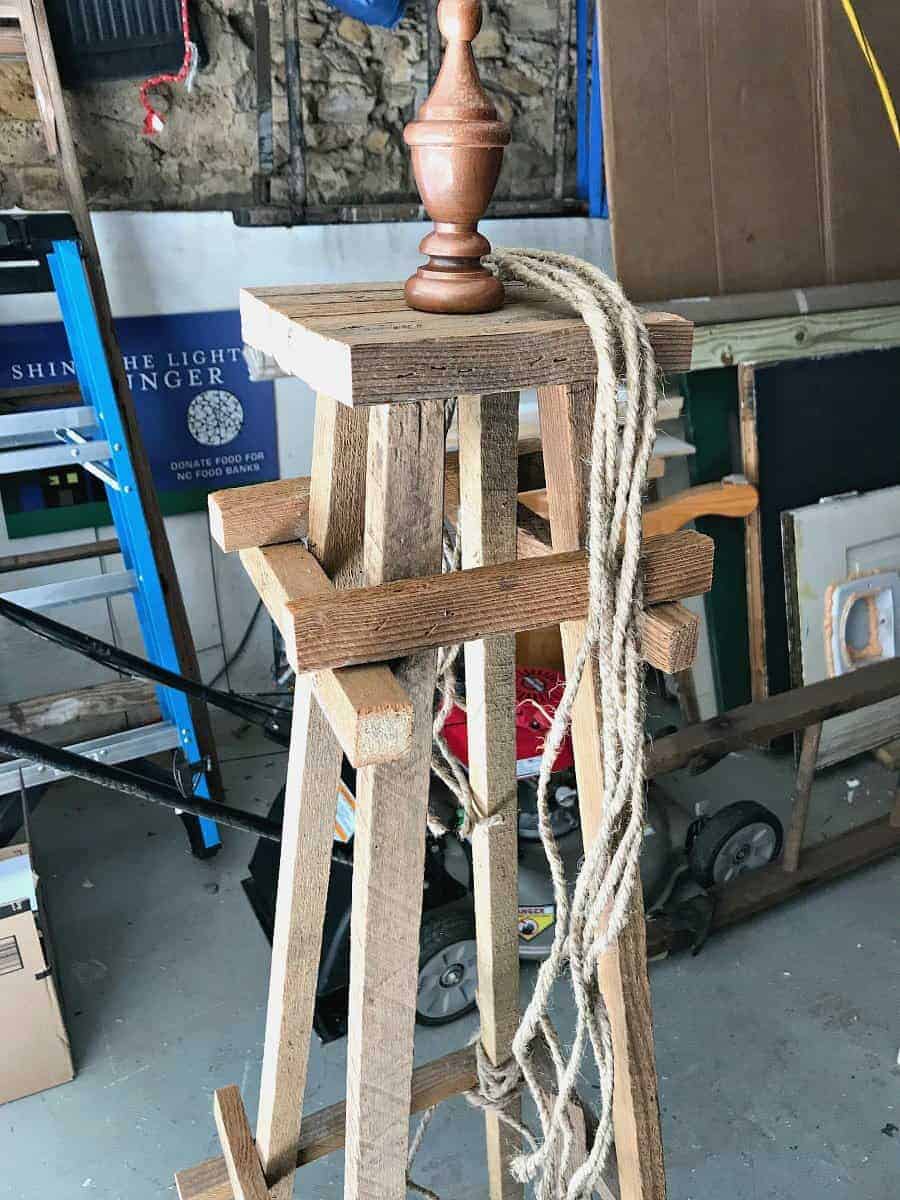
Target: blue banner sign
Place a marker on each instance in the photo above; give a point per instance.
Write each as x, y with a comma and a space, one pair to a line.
204, 424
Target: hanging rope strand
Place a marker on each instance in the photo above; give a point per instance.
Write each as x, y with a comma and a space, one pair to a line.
589, 923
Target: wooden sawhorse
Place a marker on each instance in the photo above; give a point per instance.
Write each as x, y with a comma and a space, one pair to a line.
369, 590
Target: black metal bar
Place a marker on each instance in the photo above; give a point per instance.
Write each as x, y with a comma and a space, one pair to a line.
274, 722
561, 99
294, 90
129, 783
367, 213
264, 132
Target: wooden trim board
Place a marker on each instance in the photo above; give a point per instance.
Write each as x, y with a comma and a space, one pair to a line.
361, 344
780, 339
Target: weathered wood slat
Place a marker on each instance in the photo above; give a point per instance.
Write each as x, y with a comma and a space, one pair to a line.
669, 637
245, 1175
487, 516
367, 708
760, 722
803, 784
323, 1131
807, 335
264, 514
58, 554
376, 624
756, 611
362, 345
104, 708
404, 525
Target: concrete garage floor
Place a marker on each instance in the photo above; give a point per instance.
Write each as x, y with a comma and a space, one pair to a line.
777, 1047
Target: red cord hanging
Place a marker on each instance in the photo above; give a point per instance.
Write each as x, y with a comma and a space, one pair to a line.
153, 122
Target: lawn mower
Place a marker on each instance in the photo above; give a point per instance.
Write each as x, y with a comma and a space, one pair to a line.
681, 859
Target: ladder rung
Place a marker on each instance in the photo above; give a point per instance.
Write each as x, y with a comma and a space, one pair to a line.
114, 748
70, 591
47, 420
60, 455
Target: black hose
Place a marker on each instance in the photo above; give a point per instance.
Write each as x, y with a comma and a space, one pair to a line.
119, 779
273, 721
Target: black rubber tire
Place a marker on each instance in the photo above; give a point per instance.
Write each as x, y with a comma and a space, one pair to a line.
711, 837
440, 928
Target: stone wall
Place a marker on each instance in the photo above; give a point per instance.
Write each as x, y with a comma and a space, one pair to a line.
361, 84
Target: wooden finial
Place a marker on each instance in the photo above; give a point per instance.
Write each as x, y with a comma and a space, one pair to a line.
457, 148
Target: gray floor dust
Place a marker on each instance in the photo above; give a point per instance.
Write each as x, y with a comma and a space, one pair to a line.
777, 1046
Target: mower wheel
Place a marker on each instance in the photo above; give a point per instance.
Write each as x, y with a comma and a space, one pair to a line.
738, 838
447, 966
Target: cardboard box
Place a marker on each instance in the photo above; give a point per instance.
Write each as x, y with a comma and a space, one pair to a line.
747, 146
35, 1046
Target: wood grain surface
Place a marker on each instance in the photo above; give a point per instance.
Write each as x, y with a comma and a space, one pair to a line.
361, 344
376, 624
487, 522
245, 1174
404, 523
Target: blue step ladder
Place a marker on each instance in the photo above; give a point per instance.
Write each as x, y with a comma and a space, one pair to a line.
91, 435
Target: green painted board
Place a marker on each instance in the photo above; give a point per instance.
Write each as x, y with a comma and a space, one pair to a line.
711, 422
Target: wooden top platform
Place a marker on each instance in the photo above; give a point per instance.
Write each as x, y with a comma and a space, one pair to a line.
361, 344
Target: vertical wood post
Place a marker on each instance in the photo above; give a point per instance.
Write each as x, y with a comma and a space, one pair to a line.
806, 770
756, 615
566, 414
404, 518
488, 471
314, 764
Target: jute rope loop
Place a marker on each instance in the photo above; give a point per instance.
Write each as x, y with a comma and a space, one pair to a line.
589, 923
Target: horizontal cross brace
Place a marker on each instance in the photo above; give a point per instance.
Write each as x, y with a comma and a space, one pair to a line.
365, 625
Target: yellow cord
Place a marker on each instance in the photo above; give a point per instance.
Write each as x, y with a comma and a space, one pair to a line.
869, 55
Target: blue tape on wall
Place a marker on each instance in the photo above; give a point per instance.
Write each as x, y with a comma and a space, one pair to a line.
386, 13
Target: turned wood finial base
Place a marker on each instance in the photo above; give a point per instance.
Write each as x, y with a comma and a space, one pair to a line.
453, 280
457, 147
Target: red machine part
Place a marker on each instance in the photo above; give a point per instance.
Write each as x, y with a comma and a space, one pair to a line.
538, 692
